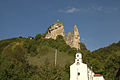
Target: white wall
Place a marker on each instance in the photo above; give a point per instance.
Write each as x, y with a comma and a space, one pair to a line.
75, 69
98, 78
80, 71
90, 74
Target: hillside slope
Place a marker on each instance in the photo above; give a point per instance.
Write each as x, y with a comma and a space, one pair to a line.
33, 59
26, 58
105, 60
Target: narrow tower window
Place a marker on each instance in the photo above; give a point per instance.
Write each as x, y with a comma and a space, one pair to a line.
78, 73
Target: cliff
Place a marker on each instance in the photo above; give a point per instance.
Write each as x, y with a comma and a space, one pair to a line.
73, 40
56, 29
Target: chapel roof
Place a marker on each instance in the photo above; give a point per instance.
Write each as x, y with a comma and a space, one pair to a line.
98, 75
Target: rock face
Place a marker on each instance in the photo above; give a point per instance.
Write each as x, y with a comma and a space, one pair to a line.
73, 40
56, 29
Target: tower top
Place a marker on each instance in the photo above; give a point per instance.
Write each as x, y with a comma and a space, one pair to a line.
78, 59
78, 56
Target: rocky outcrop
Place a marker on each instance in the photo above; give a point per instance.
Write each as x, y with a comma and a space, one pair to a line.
76, 38
73, 40
68, 39
56, 29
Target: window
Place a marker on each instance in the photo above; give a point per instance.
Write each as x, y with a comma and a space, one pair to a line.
78, 63
77, 55
78, 73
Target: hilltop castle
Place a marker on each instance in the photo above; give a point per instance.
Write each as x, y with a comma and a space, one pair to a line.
73, 40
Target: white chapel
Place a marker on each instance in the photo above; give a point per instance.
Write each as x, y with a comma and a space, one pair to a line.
80, 71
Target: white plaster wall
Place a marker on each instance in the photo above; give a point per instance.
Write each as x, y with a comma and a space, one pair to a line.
74, 69
98, 78
90, 74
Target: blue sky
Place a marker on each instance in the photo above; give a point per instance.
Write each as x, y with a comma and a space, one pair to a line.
98, 21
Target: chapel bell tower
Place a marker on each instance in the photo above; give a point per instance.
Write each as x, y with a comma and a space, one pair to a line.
78, 58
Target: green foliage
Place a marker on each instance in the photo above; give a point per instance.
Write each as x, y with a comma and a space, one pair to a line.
82, 46
15, 54
7, 42
25, 59
39, 36
14, 68
105, 61
49, 72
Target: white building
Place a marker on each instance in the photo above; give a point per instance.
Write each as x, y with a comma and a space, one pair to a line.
80, 71
98, 77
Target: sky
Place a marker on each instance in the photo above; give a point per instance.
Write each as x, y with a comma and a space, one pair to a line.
98, 21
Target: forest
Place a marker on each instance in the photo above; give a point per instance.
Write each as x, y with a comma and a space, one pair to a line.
32, 58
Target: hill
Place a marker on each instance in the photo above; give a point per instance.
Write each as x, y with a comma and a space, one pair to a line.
33, 58
26, 58
105, 61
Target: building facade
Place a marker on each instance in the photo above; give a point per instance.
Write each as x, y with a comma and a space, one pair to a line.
80, 71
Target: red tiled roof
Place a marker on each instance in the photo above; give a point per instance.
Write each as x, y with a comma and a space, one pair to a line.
98, 75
